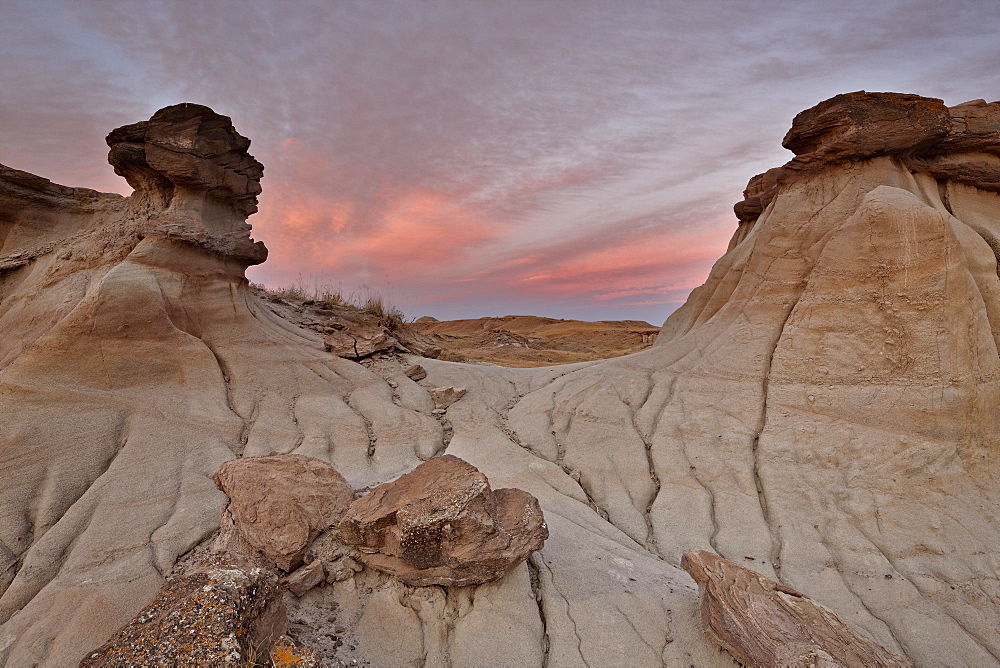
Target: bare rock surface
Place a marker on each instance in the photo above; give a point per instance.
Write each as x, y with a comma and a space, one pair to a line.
442, 524
279, 503
822, 411
764, 623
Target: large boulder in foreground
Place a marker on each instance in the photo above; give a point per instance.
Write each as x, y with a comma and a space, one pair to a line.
442, 524
220, 614
278, 504
764, 623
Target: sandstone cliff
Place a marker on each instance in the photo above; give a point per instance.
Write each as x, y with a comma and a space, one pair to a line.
822, 410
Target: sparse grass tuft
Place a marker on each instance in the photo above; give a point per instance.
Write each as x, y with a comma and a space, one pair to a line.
328, 296
294, 291
390, 316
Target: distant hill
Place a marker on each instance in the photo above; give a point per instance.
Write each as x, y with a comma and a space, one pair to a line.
529, 341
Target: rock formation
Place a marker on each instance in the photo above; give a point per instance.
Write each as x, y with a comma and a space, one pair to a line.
822, 411
763, 623
225, 607
352, 331
442, 524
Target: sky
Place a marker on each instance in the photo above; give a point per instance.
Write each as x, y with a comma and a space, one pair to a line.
468, 158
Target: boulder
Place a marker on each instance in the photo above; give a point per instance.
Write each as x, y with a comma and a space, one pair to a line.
278, 504
446, 396
416, 372
218, 614
417, 343
764, 623
442, 524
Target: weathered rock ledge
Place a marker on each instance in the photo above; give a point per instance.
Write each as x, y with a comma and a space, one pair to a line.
957, 143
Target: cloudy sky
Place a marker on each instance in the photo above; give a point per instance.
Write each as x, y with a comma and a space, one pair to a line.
465, 158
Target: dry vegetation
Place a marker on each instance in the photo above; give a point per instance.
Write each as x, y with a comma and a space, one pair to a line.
326, 296
515, 341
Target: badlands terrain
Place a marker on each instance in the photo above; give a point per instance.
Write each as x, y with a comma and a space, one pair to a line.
512, 340
822, 412
529, 341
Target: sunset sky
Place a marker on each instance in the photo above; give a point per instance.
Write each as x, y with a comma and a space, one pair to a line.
467, 158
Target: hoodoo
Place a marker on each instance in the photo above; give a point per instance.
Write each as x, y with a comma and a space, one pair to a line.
822, 411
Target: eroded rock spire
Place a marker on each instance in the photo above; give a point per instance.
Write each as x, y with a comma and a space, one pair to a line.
193, 176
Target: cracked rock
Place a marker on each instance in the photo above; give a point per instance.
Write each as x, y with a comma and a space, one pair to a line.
416, 372
305, 578
442, 524
360, 340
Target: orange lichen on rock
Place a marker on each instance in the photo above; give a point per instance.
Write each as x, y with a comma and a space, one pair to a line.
287, 654
220, 614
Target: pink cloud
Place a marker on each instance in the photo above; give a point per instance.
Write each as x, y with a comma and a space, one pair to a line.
401, 235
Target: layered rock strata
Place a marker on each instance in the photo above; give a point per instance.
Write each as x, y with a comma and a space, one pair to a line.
821, 411
957, 144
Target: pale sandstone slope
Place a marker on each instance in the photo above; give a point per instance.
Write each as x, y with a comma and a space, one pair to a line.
822, 410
